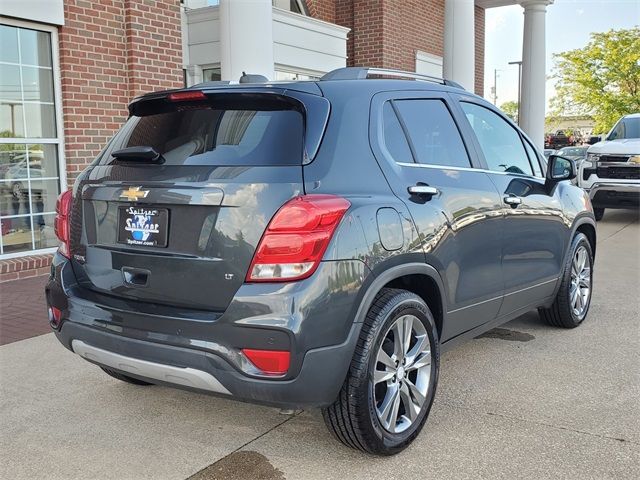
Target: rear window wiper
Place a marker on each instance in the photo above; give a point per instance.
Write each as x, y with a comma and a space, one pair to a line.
138, 154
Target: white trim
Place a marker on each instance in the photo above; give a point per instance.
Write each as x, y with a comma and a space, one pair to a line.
30, 140
59, 140
310, 23
29, 253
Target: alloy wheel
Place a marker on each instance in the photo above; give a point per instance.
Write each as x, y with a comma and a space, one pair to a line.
402, 374
580, 289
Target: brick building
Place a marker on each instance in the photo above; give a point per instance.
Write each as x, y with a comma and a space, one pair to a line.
68, 69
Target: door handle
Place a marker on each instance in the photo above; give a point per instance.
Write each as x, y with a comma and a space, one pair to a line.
512, 200
422, 190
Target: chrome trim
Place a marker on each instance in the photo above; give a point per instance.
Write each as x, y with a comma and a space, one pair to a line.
465, 169
532, 286
187, 377
614, 186
475, 304
422, 190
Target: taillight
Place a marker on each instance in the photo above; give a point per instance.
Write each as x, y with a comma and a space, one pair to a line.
62, 222
296, 238
186, 96
270, 362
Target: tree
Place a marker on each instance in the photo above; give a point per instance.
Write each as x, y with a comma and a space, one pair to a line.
602, 79
510, 109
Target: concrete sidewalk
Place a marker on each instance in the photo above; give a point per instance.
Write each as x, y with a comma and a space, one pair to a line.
527, 401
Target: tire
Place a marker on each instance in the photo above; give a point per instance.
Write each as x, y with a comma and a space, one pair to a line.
124, 378
358, 418
563, 312
598, 213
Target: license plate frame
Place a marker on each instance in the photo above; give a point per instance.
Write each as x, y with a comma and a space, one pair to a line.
143, 226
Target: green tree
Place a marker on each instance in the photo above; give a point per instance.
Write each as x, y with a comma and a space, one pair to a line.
510, 109
602, 79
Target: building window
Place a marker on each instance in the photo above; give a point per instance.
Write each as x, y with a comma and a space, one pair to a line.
291, 76
29, 140
211, 74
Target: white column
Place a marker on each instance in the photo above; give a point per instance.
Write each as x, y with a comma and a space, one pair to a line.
246, 38
532, 110
459, 63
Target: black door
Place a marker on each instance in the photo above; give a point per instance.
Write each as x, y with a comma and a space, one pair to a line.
535, 229
456, 208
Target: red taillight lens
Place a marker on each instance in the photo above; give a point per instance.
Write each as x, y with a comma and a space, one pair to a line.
186, 96
296, 238
271, 362
62, 222
55, 315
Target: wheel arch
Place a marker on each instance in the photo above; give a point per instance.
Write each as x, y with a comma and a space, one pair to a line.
419, 278
587, 226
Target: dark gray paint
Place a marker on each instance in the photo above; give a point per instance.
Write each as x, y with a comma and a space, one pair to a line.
489, 263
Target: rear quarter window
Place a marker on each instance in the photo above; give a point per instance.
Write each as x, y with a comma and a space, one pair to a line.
217, 137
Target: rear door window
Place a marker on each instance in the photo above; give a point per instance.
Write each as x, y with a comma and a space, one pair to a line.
217, 137
432, 132
394, 138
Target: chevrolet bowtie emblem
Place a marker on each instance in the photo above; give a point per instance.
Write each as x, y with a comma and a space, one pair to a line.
134, 193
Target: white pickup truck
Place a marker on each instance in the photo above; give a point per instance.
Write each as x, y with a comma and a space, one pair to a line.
611, 171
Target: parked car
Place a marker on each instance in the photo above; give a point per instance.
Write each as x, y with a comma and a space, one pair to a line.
548, 152
611, 172
561, 138
315, 244
577, 154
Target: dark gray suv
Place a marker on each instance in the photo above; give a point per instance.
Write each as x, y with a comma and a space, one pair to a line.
315, 244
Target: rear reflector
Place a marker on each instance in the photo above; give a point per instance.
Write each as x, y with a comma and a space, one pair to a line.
296, 238
62, 222
186, 96
270, 362
55, 315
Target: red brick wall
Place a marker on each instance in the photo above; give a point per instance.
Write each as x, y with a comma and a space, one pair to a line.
322, 9
387, 33
479, 31
25, 267
111, 51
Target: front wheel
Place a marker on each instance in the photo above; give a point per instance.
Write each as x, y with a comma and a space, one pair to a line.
572, 302
392, 379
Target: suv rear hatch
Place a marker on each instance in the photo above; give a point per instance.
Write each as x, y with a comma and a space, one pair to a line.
176, 217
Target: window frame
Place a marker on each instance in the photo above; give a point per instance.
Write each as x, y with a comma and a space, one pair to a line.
376, 131
466, 99
58, 140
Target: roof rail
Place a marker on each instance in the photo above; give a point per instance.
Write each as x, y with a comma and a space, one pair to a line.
362, 73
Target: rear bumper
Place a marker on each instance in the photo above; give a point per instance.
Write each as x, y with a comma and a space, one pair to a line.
317, 383
313, 319
614, 195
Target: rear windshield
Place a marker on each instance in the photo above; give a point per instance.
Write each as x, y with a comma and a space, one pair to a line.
207, 136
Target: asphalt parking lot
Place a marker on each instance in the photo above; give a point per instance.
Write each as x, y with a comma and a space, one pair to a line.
526, 401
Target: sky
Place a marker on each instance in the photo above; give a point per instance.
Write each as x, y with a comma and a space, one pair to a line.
569, 23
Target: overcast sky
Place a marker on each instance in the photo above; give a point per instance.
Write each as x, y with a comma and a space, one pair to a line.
569, 23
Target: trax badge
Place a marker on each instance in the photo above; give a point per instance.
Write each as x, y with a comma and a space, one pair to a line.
134, 193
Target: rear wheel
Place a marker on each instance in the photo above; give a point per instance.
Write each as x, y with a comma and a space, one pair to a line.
572, 302
598, 213
391, 383
124, 378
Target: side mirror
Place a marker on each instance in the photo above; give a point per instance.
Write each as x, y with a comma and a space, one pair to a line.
560, 168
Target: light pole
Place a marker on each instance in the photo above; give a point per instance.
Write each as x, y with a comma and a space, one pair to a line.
494, 90
519, 63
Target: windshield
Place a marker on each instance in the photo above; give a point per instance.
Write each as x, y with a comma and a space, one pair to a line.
626, 128
574, 151
216, 137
